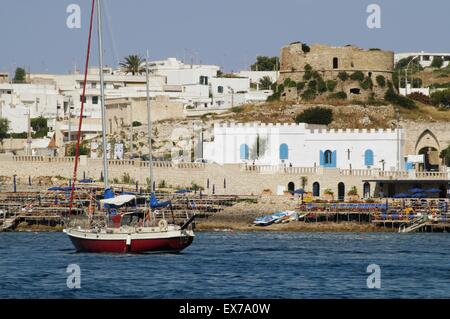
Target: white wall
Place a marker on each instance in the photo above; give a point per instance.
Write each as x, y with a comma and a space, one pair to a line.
256, 76
305, 143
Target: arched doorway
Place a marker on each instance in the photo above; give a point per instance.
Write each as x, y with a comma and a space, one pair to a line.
366, 190
428, 145
431, 158
291, 186
316, 189
341, 191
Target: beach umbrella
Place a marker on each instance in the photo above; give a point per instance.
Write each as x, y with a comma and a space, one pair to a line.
86, 180
419, 195
415, 190
299, 191
182, 191
433, 190
56, 189
401, 195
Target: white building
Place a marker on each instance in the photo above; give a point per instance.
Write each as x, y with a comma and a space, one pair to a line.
179, 73
19, 100
304, 145
425, 58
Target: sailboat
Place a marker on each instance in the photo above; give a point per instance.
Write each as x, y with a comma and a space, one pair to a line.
125, 229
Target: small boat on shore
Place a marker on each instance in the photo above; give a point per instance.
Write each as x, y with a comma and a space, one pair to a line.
279, 217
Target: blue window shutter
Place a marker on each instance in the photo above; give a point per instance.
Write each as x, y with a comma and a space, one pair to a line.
368, 158
409, 165
322, 158
244, 153
333, 159
284, 152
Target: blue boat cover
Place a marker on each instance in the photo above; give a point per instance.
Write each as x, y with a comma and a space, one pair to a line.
154, 203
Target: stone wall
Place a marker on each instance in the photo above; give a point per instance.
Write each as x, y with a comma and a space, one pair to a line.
225, 179
329, 61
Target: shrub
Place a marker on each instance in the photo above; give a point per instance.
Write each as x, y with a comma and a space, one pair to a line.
321, 86
292, 84
399, 100
381, 81
341, 95
308, 95
274, 97
316, 75
312, 85
300, 86
315, 115
353, 191
308, 72
437, 62
162, 184
357, 76
441, 98
136, 123
237, 109
343, 76
367, 83
417, 96
331, 85
287, 81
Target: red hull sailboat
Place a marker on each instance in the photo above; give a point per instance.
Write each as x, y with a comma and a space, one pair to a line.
116, 233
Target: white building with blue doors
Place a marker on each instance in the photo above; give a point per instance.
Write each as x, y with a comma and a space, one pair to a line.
305, 145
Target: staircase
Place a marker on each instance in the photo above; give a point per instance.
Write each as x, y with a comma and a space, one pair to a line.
8, 223
414, 226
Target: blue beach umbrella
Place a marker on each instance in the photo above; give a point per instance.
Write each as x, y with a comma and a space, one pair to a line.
400, 195
182, 191
433, 190
419, 195
415, 190
56, 189
299, 191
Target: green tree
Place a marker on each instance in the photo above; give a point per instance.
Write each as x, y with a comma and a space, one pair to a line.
437, 62
39, 125
315, 115
265, 63
4, 128
265, 83
83, 150
414, 65
441, 98
132, 64
19, 76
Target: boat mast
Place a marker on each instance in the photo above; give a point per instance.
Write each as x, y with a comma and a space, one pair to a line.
102, 93
149, 120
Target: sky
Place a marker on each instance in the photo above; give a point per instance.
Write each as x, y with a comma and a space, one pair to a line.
229, 33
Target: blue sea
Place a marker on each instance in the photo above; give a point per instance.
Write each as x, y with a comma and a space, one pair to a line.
234, 265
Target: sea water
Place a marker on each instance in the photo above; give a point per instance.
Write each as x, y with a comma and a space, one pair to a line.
234, 265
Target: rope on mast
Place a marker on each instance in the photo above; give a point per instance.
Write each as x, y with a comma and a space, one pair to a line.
80, 122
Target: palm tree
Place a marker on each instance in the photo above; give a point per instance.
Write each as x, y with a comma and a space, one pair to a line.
133, 64
265, 83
